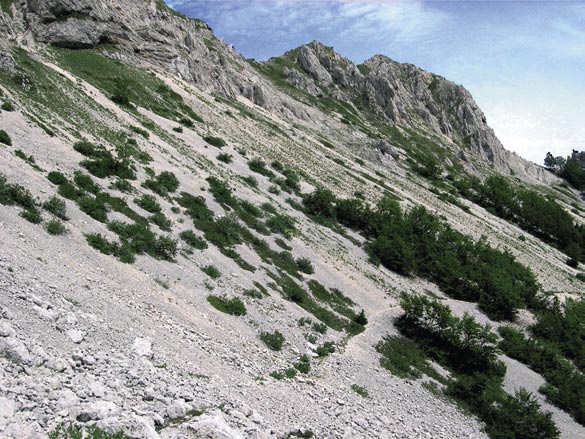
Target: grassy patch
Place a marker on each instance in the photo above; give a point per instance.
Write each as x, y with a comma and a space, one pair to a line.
126, 84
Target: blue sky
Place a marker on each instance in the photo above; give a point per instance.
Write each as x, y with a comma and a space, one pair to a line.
523, 61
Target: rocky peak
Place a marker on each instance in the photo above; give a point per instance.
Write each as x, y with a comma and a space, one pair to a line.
403, 95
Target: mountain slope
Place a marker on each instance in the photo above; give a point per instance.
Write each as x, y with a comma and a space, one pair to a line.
182, 169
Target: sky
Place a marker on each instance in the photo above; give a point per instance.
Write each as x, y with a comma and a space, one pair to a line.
523, 61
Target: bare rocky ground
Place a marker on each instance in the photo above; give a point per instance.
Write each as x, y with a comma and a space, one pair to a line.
84, 337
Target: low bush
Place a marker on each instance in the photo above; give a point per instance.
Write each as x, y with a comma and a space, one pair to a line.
303, 365
420, 243
259, 166
325, 349
5, 138
101, 163
233, 306
163, 184
250, 181
211, 271
321, 328
403, 357
8, 106
93, 207
193, 240
468, 350
148, 203
254, 294
15, 194
56, 177
218, 142
565, 383
274, 340
56, 227
161, 221
224, 157
32, 215
70, 191
221, 192
85, 182
282, 224
57, 207
304, 265
122, 185
195, 207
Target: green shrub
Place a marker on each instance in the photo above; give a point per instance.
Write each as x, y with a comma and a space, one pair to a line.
56, 177
325, 349
178, 129
224, 157
195, 207
20, 154
148, 203
8, 106
5, 138
254, 294
259, 166
140, 131
93, 207
188, 123
85, 182
163, 248
193, 240
282, 224
233, 306
211, 271
14, 194
57, 207
56, 227
163, 184
99, 242
304, 265
161, 221
221, 192
32, 215
215, 141
321, 328
250, 181
121, 185
274, 340
276, 165
303, 365
87, 149
70, 191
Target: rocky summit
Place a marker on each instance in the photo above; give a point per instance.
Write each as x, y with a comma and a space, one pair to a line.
198, 245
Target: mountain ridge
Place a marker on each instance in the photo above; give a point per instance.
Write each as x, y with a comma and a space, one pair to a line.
398, 94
